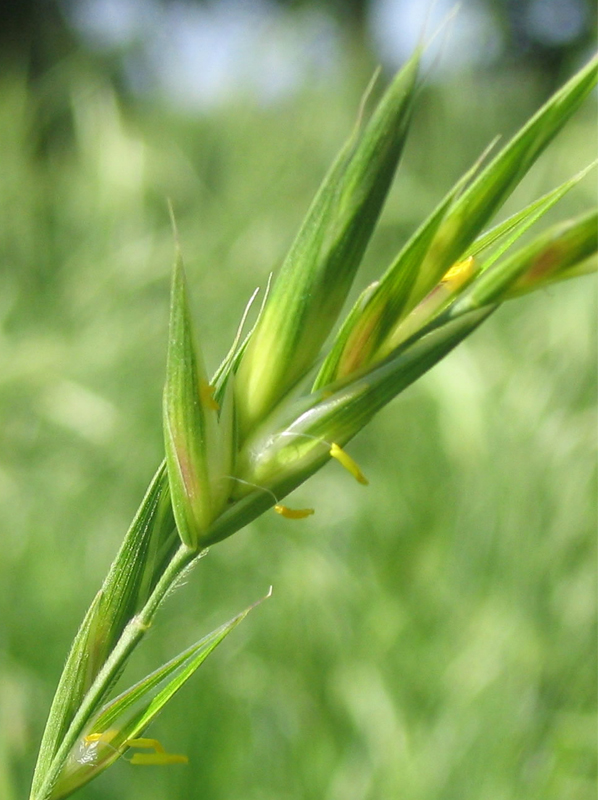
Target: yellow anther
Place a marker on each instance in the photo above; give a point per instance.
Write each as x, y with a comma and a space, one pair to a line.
460, 271
207, 397
147, 744
88, 752
105, 737
293, 513
93, 737
159, 757
288, 513
347, 462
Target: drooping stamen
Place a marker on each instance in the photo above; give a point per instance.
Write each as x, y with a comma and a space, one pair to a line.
293, 513
284, 511
335, 451
348, 462
158, 757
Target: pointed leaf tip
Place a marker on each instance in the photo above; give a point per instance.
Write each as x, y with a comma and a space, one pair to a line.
318, 272
125, 718
189, 419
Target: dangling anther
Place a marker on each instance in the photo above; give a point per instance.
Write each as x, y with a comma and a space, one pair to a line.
159, 757
348, 462
293, 513
288, 513
335, 451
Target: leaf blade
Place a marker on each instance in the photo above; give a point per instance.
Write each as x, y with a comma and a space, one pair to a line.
150, 540
492, 186
189, 419
317, 273
172, 675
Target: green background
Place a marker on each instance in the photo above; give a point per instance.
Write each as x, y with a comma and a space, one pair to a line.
431, 636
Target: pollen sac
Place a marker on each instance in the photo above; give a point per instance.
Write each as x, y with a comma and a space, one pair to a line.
92, 745
293, 513
459, 272
438, 298
348, 463
159, 757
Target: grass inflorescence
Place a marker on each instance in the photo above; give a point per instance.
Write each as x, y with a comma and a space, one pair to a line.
292, 393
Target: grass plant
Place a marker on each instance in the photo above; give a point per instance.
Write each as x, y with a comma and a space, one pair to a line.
292, 393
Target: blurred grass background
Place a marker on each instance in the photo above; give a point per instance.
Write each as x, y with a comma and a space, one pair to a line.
430, 637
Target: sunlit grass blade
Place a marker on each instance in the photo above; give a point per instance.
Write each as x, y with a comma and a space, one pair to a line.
237, 446
220, 377
71, 688
319, 269
525, 217
113, 666
281, 460
438, 298
239, 345
367, 325
348, 327
503, 236
548, 258
585, 266
189, 419
128, 715
475, 207
445, 236
149, 543
363, 330
147, 548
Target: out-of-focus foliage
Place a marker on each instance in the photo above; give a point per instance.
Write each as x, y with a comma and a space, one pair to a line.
430, 636
546, 34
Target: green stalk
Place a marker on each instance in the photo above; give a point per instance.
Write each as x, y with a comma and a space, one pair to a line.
131, 637
237, 446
